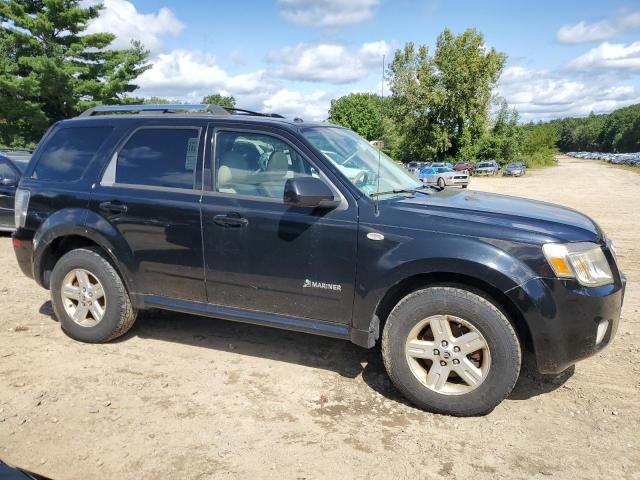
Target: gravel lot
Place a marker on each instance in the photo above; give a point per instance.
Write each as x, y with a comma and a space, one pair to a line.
188, 397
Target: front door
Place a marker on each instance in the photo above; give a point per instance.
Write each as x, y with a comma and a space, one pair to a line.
261, 254
150, 194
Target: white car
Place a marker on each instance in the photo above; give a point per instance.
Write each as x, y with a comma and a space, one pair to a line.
487, 168
443, 176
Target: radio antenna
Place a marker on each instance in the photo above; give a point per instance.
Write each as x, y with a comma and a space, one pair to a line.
376, 210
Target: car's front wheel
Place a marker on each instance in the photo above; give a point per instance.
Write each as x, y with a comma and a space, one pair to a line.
451, 351
89, 297
441, 182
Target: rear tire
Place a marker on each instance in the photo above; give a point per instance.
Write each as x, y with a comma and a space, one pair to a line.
496, 357
94, 322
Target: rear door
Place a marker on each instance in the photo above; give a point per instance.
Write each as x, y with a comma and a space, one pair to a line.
9, 177
150, 193
263, 255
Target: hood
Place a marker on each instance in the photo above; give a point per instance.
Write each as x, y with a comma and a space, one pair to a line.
492, 215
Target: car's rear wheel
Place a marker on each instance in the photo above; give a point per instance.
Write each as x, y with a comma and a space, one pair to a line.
441, 182
451, 351
89, 297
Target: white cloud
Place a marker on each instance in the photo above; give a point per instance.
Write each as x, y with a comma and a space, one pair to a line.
543, 94
601, 30
609, 56
121, 18
331, 63
327, 13
313, 106
190, 75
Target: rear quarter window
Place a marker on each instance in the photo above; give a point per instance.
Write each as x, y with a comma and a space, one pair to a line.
68, 152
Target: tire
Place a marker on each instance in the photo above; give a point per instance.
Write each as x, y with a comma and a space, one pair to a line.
441, 182
495, 332
118, 313
465, 186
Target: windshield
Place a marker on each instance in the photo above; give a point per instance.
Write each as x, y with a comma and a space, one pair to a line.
358, 160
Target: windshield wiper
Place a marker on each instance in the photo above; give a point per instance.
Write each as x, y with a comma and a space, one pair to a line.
419, 189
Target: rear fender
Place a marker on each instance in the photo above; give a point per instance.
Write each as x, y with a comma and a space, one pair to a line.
87, 224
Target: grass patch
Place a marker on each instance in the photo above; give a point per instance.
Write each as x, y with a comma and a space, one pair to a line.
629, 168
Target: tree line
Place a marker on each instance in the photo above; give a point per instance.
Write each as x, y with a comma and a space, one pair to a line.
438, 108
615, 132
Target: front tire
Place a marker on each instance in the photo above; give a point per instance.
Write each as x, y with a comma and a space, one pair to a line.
89, 297
441, 182
451, 351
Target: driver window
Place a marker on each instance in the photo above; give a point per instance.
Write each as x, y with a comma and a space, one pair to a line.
256, 165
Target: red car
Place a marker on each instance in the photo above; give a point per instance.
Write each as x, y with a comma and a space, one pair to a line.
464, 166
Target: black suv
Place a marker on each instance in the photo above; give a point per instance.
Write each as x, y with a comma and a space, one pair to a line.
305, 226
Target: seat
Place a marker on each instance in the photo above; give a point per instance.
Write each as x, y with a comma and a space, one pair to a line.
274, 178
234, 175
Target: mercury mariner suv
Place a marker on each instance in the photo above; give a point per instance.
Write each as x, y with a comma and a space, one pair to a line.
304, 226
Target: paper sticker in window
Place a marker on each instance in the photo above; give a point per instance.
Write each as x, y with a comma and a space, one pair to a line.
192, 154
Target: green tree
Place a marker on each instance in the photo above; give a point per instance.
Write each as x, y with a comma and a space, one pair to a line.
539, 144
220, 100
441, 101
503, 141
51, 70
361, 112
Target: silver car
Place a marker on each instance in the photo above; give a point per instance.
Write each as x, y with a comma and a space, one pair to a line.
486, 168
443, 176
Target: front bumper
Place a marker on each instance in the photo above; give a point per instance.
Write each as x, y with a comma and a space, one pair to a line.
563, 319
457, 181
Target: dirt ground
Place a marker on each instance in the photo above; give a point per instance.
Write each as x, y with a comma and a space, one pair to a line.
188, 397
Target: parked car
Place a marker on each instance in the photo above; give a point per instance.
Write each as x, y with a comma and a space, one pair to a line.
170, 210
8, 472
10, 172
415, 167
441, 164
443, 176
515, 169
464, 167
487, 168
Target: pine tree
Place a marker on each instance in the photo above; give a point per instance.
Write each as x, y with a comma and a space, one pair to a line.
51, 70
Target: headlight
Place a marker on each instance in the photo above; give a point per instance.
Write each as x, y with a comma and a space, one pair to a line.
583, 261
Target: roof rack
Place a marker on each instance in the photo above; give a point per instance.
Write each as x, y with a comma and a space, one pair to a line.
171, 107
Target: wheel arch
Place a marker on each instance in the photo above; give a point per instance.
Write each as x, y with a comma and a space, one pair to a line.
55, 238
461, 280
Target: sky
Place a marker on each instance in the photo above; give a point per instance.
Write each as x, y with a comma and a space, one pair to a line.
564, 57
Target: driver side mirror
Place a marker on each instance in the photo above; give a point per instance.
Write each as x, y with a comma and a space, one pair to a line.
309, 192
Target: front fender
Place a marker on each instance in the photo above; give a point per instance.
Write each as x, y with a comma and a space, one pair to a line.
400, 256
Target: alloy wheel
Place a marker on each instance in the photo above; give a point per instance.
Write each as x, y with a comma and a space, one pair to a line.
83, 297
447, 354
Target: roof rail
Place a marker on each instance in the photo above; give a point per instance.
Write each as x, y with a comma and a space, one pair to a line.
170, 107
162, 108
249, 112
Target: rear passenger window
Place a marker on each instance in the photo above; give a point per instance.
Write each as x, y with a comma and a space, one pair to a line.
159, 157
67, 154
